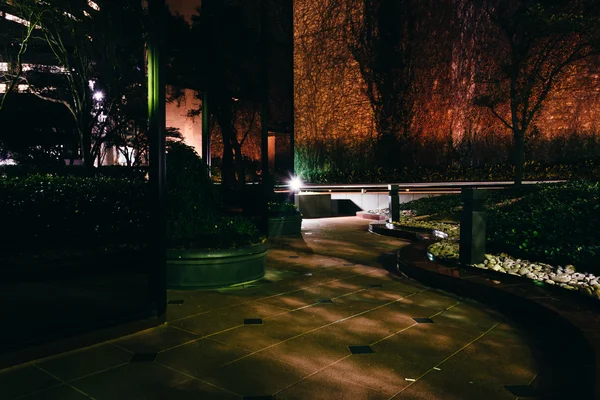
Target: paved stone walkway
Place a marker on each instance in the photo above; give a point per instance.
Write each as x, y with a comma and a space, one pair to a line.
327, 322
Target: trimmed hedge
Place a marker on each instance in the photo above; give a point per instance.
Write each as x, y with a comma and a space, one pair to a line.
451, 204
113, 171
46, 212
42, 211
588, 169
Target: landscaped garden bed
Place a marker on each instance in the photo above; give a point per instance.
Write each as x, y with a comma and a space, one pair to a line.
55, 223
546, 233
206, 249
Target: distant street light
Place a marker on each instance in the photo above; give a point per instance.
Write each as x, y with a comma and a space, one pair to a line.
98, 96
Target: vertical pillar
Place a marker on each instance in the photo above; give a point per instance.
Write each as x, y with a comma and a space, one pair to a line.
206, 156
394, 203
472, 226
157, 163
264, 117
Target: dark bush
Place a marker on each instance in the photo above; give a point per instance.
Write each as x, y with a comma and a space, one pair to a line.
41, 211
282, 209
446, 203
194, 218
113, 171
587, 169
556, 224
553, 223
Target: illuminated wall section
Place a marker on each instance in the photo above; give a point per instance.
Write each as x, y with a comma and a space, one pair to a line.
178, 117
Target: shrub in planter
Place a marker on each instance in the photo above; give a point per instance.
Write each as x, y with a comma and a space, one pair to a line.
193, 219
205, 248
281, 209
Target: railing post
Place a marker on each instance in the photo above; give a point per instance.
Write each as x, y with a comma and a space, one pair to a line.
472, 226
394, 203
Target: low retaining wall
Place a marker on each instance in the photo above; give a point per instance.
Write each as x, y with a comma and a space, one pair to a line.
193, 269
563, 327
319, 205
371, 201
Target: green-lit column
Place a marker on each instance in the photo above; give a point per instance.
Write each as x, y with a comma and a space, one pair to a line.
157, 162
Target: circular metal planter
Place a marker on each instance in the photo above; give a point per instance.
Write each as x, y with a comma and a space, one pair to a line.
193, 269
286, 225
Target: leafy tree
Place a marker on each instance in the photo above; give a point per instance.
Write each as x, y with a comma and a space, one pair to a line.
228, 34
531, 45
382, 42
86, 46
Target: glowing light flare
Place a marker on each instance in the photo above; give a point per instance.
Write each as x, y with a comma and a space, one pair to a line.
98, 96
295, 184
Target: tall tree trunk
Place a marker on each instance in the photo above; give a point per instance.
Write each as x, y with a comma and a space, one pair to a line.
86, 149
519, 155
239, 163
227, 169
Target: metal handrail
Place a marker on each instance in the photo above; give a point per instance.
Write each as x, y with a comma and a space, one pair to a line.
414, 186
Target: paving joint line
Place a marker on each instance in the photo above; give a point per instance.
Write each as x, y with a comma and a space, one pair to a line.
238, 326
445, 359
200, 338
55, 356
97, 372
275, 295
321, 327
65, 383
192, 377
24, 396
410, 326
311, 374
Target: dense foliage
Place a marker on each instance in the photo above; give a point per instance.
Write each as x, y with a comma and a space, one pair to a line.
557, 224
282, 209
57, 210
194, 218
586, 169
553, 223
113, 171
446, 203
42, 211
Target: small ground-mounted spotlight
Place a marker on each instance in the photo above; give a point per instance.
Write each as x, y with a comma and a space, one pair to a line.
295, 184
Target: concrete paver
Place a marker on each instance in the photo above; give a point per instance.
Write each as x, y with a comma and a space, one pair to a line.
332, 288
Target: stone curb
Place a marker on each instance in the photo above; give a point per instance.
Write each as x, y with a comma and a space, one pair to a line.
370, 216
564, 327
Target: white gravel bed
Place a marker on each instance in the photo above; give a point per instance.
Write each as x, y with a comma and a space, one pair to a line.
564, 276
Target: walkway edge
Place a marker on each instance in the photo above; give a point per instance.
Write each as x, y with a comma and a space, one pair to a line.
565, 335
